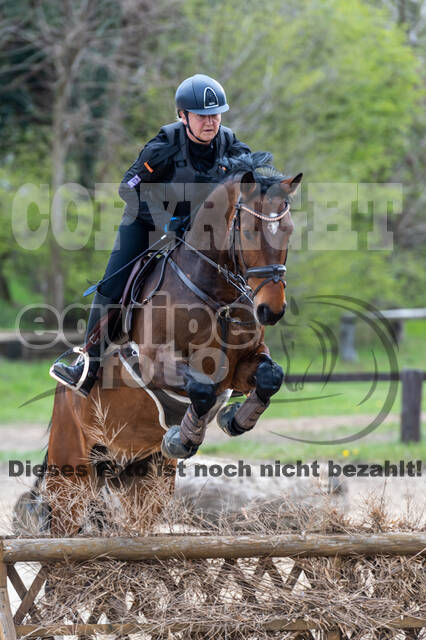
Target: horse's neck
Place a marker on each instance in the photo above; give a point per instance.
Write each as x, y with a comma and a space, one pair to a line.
209, 234
210, 230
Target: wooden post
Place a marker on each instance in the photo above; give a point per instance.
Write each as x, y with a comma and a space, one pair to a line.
347, 338
7, 627
412, 381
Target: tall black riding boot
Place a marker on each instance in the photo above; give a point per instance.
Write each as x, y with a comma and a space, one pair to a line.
83, 374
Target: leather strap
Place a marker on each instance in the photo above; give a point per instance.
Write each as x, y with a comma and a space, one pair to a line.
193, 287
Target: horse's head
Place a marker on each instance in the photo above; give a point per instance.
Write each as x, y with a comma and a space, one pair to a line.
260, 230
254, 199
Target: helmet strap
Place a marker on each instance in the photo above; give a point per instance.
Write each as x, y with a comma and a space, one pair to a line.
188, 126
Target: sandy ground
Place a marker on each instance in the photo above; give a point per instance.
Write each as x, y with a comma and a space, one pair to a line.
33, 437
233, 492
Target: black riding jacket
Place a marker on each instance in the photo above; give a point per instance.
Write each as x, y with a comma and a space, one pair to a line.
171, 157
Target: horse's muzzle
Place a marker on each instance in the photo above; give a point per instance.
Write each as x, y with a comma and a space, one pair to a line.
268, 317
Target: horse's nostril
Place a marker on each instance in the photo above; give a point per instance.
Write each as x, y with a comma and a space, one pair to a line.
263, 313
266, 316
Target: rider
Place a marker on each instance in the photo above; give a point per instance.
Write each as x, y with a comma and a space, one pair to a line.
186, 151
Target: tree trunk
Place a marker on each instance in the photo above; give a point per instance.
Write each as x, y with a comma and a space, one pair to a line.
59, 152
401, 12
4, 286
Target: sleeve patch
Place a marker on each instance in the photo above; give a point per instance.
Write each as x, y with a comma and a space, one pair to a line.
133, 182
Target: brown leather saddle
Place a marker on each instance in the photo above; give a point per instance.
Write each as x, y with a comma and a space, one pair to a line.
117, 322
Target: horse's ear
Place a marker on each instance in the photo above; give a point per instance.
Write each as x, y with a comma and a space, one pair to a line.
290, 185
248, 183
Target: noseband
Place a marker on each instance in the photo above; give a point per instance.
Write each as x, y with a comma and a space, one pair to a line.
270, 272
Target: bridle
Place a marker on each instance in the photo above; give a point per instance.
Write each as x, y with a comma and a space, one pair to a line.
270, 272
238, 277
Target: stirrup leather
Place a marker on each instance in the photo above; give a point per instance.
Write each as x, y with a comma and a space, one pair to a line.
74, 387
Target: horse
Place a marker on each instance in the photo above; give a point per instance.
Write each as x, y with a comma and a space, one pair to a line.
195, 336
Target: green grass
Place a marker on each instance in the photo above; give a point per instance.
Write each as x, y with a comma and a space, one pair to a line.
348, 398
289, 452
336, 399
410, 353
35, 456
371, 448
20, 381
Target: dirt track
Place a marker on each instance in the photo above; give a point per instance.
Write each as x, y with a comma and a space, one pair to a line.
32, 437
236, 491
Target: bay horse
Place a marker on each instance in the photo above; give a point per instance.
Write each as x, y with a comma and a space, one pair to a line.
197, 334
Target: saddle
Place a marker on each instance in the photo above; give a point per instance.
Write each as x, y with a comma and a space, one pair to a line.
108, 326
115, 325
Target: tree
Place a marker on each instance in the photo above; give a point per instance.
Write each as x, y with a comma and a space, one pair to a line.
332, 89
76, 56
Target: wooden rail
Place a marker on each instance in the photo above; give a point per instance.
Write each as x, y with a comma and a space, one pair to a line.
45, 550
122, 630
199, 547
395, 317
30, 345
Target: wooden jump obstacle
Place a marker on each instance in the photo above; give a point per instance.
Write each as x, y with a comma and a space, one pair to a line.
26, 620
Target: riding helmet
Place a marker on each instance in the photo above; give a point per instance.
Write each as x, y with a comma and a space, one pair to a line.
201, 94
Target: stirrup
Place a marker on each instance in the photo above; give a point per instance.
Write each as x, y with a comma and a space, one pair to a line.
74, 387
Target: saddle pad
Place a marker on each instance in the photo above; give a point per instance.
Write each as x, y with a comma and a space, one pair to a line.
171, 406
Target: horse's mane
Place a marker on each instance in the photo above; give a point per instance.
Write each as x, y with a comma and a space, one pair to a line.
259, 163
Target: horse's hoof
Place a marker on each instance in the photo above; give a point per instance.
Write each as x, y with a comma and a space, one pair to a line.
225, 419
173, 447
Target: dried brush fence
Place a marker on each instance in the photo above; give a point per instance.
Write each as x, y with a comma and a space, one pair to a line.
203, 586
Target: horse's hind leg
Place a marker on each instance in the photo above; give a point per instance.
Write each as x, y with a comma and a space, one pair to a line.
31, 512
70, 478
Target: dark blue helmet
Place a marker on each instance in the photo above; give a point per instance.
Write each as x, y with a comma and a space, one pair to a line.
201, 94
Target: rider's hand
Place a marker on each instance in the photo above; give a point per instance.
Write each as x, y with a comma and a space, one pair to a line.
177, 225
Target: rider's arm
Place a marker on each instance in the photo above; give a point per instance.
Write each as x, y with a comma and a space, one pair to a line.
152, 165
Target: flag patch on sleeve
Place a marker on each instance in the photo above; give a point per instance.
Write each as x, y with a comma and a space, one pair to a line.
133, 182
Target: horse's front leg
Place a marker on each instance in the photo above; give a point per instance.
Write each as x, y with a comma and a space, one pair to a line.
183, 441
238, 418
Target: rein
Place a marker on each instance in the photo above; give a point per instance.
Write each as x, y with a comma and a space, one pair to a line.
270, 273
